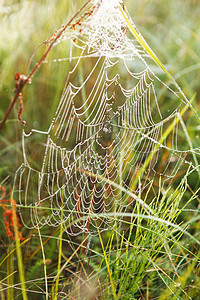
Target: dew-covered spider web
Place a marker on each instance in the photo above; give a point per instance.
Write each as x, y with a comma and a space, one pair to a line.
117, 131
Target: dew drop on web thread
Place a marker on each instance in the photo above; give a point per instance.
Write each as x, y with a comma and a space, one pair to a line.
111, 137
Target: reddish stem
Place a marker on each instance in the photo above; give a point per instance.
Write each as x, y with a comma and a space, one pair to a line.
18, 91
123, 4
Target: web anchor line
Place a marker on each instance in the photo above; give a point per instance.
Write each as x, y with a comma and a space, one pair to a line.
111, 138
25, 79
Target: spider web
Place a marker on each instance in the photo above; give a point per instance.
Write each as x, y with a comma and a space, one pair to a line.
108, 141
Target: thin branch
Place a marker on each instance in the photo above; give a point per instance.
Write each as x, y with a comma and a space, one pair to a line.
27, 79
123, 4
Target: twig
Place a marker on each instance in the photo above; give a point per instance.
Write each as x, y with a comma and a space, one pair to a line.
123, 4
10, 108
27, 79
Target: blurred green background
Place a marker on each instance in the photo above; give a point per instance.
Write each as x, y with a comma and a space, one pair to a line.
171, 28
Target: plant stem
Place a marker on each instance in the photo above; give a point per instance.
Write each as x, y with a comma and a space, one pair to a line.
146, 47
19, 253
107, 265
38, 64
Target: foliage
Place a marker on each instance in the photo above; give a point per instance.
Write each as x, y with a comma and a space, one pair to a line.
143, 258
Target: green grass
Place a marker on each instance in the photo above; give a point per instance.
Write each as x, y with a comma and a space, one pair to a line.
145, 256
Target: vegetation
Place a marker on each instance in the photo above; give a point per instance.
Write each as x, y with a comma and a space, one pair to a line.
152, 256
